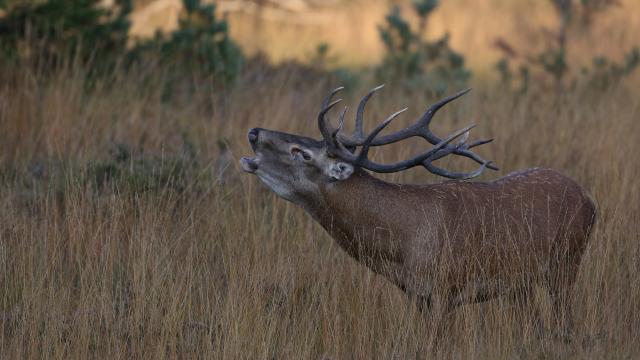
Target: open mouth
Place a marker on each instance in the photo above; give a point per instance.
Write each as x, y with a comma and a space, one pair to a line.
249, 165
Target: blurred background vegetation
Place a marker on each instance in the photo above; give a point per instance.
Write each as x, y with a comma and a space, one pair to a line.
126, 228
424, 44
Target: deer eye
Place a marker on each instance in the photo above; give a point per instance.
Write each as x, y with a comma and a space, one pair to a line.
299, 152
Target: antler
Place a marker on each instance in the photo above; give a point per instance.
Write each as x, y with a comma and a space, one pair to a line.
344, 146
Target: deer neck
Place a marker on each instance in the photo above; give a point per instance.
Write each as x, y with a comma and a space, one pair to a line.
353, 212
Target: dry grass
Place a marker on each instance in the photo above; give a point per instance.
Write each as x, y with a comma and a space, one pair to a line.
109, 269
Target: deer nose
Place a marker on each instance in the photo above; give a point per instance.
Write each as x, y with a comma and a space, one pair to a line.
253, 135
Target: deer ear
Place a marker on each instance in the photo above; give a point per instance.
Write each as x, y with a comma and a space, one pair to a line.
340, 170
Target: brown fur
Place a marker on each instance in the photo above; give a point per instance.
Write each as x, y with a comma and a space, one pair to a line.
527, 226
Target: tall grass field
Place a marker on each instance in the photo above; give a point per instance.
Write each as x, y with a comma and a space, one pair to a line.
128, 230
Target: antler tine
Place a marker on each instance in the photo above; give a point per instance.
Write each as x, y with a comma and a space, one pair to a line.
342, 115
433, 109
335, 132
367, 142
325, 129
471, 155
479, 142
416, 160
421, 129
326, 101
462, 150
364, 162
358, 133
451, 150
344, 146
455, 175
464, 139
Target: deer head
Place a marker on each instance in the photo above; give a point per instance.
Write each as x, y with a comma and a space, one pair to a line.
295, 166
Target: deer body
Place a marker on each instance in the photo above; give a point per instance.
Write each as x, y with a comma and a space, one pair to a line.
483, 239
447, 244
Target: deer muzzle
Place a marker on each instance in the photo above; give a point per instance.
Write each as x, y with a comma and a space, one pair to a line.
249, 165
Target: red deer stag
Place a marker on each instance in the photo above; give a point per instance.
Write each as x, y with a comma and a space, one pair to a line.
445, 244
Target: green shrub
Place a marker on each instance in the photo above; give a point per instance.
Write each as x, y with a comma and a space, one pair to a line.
432, 66
50, 32
46, 33
201, 43
604, 73
552, 64
322, 60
